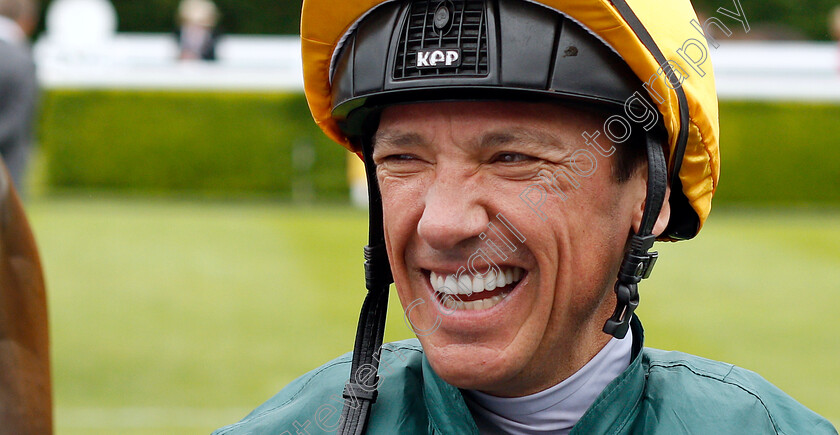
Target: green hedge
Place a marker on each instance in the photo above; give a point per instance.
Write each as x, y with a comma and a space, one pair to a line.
780, 153
238, 16
226, 143
181, 141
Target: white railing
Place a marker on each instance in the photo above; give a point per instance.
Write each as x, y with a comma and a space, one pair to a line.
148, 61
803, 71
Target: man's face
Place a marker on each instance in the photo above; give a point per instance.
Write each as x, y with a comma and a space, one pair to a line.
446, 171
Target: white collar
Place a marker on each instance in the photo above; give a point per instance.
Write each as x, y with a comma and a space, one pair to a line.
11, 32
557, 409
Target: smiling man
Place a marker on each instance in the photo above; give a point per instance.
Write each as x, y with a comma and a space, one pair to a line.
522, 157
445, 170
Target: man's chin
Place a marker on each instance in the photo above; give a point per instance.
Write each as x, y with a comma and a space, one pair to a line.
470, 367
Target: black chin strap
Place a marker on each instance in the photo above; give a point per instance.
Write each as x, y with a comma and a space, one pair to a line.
360, 391
638, 262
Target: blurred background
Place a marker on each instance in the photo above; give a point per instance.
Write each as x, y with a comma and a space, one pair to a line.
202, 241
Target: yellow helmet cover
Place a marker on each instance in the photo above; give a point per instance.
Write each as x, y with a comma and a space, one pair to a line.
657, 40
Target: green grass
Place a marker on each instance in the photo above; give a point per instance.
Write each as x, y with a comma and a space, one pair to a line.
180, 316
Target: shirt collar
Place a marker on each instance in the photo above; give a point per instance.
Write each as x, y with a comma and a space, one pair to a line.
448, 413
11, 32
559, 407
619, 402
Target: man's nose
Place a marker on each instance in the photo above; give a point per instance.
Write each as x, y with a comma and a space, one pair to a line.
452, 213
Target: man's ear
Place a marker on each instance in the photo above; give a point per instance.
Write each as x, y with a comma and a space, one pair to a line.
661, 220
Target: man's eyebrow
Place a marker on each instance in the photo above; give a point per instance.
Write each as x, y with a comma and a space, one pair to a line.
522, 136
529, 138
397, 139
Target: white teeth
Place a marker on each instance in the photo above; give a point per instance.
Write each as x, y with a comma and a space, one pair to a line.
490, 281
481, 304
500, 280
466, 283
450, 303
450, 286
477, 284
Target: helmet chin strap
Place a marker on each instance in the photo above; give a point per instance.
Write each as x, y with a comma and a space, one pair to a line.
638, 262
361, 390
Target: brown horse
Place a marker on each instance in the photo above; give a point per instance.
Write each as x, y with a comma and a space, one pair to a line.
25, 389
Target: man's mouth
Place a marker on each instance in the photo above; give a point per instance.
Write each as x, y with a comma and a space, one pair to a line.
475, 292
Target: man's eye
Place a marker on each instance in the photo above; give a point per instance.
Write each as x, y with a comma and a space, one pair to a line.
401, 157
511, 158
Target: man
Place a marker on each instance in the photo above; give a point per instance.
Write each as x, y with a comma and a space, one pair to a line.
18, 85
197, 34
516, 158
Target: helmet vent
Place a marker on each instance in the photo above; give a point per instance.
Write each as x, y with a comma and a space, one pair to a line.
460, 49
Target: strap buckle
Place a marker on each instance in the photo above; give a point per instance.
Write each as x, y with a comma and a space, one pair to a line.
637, 265
627, 300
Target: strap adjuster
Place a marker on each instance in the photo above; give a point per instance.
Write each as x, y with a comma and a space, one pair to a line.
353, 391
648, 263
377, 267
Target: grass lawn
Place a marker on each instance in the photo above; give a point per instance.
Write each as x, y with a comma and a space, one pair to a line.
180, 316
